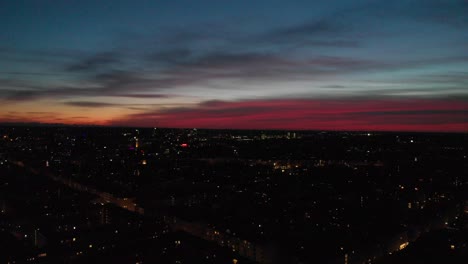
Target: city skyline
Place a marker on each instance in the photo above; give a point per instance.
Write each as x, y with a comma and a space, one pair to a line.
345, 65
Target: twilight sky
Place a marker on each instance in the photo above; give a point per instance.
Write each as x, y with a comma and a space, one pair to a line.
327, 65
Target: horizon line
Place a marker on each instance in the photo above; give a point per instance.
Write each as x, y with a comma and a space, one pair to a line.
39, 124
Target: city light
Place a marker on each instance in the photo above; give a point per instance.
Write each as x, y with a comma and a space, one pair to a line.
403, 245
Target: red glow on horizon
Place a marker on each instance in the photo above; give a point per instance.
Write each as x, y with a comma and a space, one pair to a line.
312, 114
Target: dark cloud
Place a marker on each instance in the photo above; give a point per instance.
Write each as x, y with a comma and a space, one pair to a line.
260, 66
142, 95
12, 95
132, 106
419, 112
446, 78
334, 86
91, 104
33, 73
111, 84
201, 69
33, 94
95, 62
411, 115
138, 108
40, 113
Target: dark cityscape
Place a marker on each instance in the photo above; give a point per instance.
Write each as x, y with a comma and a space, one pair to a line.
152, 195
